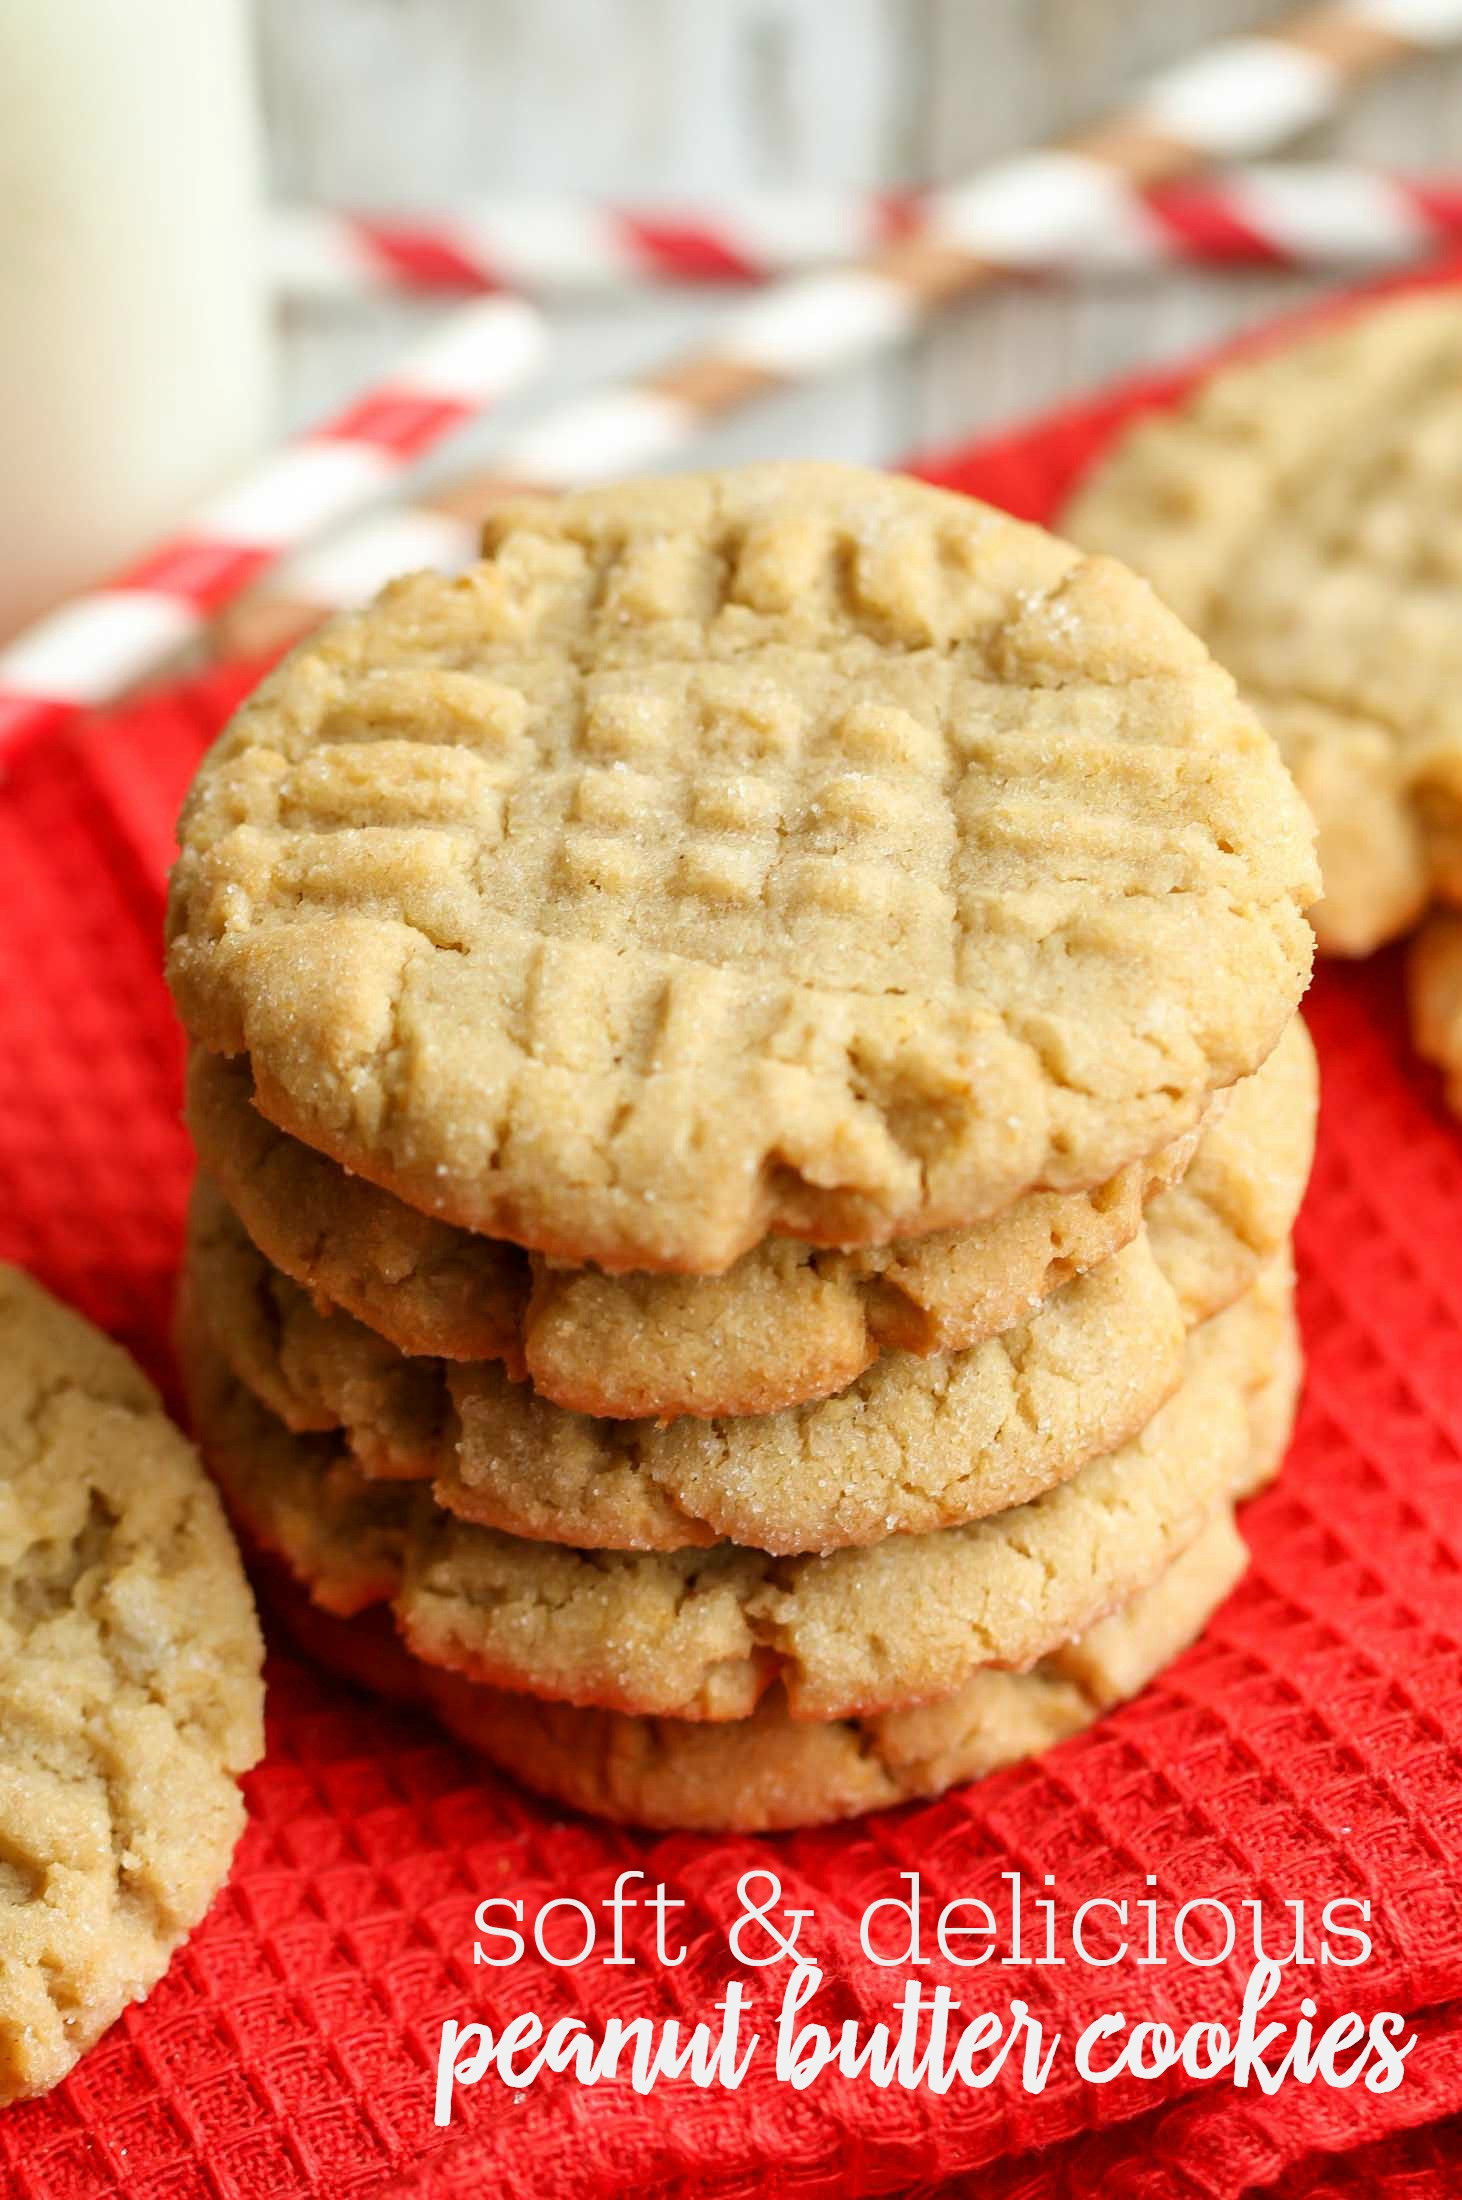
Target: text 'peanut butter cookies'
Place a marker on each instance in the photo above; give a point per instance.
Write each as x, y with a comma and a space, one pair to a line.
130, 1696
796, 850
1299, 511
770, 1772
788, 1322
703, 1634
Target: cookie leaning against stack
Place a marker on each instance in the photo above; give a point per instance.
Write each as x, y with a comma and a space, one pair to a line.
745, 1063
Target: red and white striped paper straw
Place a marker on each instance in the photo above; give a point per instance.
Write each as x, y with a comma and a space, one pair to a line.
97, 647
1229, 102
1295, 214
1305, 214
574, 244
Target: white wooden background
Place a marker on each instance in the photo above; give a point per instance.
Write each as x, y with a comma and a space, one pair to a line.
412, 102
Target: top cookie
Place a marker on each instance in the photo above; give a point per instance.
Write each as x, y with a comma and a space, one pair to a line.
796, 850
1300, 512
130, 1697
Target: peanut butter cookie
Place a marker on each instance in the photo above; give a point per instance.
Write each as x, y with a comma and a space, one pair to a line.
912, 1444
1299, 511
795, 850
789, 1322
770, 1772
130, 1696
702, 1634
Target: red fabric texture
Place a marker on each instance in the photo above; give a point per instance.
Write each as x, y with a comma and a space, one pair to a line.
1308, 1746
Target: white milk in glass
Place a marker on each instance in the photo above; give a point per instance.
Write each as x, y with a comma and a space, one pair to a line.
133, 336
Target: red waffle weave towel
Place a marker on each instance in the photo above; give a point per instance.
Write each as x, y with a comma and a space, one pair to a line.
1307, 1749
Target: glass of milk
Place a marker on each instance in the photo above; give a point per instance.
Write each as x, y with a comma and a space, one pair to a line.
133, 316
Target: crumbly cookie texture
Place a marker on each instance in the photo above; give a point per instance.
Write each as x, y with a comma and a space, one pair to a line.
913, 1444
316, 1371
1434, 984
130, 1692
909, 1446
787, 1323
770, 1772
703, 1634
425, 1286
796, 850
1234, 1209
1300, 513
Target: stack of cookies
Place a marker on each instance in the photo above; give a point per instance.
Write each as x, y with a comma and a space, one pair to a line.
750, 1109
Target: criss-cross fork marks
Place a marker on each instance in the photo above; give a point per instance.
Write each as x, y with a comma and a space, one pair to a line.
814, 802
